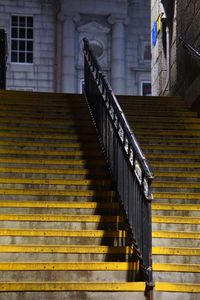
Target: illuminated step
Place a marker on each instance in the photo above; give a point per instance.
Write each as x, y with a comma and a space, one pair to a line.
179, 174
61, 218
57, 204
74, 193
46, 129
175, 251
174, 164
171, 147
170, 140
72, 286
175, 220
173, 155
39, 161
48, 171
176, 234
63, 233
70, 182
165, 113
179, 184
94, 266
174, 132
176, 195
48, 136
163, 126
177, 287
60, 144
66, 249
94, 153
39, 122
163, 120
65, 266
175, 207
176, 267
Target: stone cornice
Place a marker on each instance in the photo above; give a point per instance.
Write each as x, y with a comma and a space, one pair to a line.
117, 18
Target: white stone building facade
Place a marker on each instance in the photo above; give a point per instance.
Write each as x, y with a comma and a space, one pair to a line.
44, 40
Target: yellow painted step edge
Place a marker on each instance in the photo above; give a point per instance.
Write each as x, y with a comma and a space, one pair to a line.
63, 233
72, 286
61, 218
81, 182
176, 195
175, 207
179, 185
162, 267
57, 204
176, 234
175, 251
69, 249
177, 287
71, 266
36, 170
39, 161
69, 193
94, 266
175, 220
66, 153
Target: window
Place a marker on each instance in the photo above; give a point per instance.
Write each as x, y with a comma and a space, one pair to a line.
146, 88
147, 51
21, 39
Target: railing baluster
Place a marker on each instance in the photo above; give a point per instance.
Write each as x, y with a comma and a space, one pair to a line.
127, 163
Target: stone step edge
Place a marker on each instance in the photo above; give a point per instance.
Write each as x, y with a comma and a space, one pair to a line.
72, 286
85, 249
177, 287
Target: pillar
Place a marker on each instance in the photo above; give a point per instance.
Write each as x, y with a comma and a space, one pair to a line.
118, 55
68, 84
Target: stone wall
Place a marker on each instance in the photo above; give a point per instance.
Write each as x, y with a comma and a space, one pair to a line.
39, 75
182, 19
118, 29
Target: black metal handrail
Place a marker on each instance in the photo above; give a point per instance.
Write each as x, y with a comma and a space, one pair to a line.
128, 165
187, 46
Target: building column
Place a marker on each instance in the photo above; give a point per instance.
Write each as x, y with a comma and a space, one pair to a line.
68, 84
118, 55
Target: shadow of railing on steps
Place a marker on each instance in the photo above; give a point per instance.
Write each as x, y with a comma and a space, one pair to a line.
128, 166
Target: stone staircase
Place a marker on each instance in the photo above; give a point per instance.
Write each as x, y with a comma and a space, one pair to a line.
169, 134
62, 233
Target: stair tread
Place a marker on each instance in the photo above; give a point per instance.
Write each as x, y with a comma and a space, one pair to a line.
31, 248
72, 286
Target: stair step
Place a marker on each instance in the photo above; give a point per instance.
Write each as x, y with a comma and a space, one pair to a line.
76, 153
176, 268
72, 286
185, 175
176, 234
58, 204
176, 195
177, 287
61, 218
176, 220
45, 192
62, 162
174, 156
51, 144
63, 233
175, 251
37, 136
69, 249
173, 207
65, 182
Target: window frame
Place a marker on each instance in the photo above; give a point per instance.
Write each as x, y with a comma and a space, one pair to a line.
24, 40
141, 87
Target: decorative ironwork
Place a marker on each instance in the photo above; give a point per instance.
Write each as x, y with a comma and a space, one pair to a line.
128, 165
